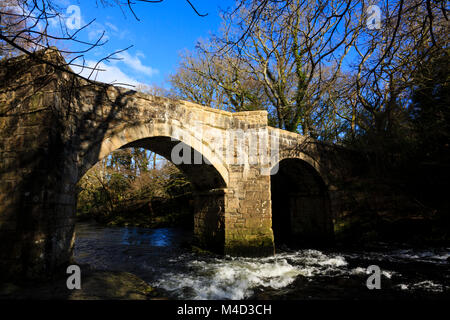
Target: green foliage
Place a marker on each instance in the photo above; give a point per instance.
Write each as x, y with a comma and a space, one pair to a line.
122, 188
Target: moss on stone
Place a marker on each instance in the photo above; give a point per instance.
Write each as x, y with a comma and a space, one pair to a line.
251, 245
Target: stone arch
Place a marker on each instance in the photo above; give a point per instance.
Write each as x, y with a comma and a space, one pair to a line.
209, 178
301, 210
313, 162
140, 135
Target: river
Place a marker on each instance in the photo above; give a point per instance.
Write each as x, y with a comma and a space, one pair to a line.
162, 258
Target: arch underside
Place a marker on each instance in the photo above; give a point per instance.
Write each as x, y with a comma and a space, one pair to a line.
208, 187
207, 182
300, 205
161, 138
203, 176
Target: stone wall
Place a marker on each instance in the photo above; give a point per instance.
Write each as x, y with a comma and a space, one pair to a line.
31, 151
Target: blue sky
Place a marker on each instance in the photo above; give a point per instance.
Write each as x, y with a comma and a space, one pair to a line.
164, 31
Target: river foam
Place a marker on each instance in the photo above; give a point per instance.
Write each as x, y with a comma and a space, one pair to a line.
236, 278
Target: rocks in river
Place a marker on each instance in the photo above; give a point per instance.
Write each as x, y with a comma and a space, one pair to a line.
113, 286
95, 285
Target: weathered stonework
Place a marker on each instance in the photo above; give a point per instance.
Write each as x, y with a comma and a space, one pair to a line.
54, 126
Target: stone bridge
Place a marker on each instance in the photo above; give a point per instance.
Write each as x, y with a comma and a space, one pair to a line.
254, 185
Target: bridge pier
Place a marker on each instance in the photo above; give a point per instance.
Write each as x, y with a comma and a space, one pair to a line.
209, 220
236, 221
248, 217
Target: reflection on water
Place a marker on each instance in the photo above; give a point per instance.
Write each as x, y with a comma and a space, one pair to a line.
132, 249
162, 237
161, 257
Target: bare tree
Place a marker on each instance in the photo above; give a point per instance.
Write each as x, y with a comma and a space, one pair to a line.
279, 56
387, 60
223, 82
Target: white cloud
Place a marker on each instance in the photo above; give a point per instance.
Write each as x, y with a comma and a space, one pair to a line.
111, 26
111, 31
96, 30
135, 63
111, 74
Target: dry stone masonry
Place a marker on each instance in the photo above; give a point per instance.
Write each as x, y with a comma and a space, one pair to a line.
54, 126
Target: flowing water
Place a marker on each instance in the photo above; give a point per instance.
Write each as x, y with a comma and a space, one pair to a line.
162, 258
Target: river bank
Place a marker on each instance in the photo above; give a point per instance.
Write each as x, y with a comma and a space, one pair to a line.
156, 213
96, 285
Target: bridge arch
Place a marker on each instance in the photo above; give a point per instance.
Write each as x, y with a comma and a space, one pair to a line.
301, 210
161, 138
206, 171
